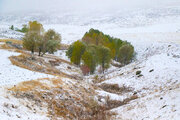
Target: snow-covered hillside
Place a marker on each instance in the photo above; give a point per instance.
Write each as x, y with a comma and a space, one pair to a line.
155, 33
122, 23
11, 75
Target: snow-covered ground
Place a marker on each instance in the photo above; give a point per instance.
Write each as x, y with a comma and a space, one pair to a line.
12, 108
11, 75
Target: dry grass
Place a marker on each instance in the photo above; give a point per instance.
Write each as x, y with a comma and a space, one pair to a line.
37, 64
98, 79
5, 46
114, 88
67, 101
29, 86
12, 40
117, 103
13, 44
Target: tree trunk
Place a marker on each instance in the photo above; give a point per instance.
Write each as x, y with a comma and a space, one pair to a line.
103, 67
32, 51
39, 51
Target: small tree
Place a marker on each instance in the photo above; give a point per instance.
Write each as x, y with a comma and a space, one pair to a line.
30, 40
25, 28
77, 52
125, 54
12, 27
35, 27
89, 60
40, 44
51, 41
104, 57
69, 51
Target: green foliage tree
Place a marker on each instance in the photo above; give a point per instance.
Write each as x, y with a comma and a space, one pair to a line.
36, 27
25, 28
125, 54
90, 58
36, 39
51, 41
93, 37
77, 52
40, 44
104, 57
99, 48
12, 27
97, 37
69, 51
30, 40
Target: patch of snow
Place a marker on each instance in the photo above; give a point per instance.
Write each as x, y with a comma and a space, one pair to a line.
163, 105
11, 74
12, 108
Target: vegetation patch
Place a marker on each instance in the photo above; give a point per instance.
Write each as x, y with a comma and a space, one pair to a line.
117, 103
114, 88
63, 100
12, 41
35, 64
97, 48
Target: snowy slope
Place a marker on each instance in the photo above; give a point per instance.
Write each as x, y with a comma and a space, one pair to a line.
12, 108
125, 24
11, 75
155, 34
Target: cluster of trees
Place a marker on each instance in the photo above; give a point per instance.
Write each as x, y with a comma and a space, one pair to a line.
36, 39
24, 28
97, 48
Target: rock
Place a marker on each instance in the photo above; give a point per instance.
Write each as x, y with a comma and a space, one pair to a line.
138, 72
140, 75
151, 70
69, 67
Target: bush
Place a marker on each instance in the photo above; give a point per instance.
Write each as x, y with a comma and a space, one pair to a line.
12, 27
85, 69
24, 29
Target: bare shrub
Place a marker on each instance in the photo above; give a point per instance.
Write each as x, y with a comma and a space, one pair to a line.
114, 88
110, 104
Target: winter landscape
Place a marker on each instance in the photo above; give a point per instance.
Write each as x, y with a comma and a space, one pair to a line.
67, 77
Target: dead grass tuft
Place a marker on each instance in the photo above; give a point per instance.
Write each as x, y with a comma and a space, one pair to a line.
114, 88
116, 103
